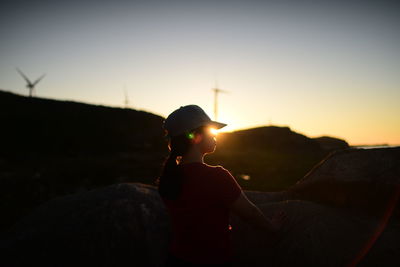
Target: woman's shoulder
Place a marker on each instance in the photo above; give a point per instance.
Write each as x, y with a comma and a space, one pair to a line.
218, 170
201, 165
214, 167
204, 167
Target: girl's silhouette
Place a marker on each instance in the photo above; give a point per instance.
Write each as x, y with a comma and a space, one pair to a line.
199, 197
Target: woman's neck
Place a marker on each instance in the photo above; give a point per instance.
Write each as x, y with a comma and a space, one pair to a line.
192, 155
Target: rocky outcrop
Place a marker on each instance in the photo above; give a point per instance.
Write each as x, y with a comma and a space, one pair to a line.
120, 225
381, 165
126, 225
363, 180
317, 235
344, 212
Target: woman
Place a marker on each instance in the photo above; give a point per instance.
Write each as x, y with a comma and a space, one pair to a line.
199, 197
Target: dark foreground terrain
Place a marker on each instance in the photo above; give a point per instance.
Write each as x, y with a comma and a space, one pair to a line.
345, 212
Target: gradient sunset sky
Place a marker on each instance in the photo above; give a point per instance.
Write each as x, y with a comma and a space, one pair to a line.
319, 67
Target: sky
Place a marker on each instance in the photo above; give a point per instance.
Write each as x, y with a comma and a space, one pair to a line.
319, 67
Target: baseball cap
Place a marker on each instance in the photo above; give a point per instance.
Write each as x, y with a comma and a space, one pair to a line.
187, 118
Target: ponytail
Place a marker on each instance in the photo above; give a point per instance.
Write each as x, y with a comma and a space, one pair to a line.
171, 179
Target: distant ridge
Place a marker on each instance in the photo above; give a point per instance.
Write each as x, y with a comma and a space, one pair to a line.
278, 138
46, 126
40, 99
330, 143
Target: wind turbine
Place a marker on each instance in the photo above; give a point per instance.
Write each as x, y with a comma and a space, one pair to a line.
216, 92
29, 84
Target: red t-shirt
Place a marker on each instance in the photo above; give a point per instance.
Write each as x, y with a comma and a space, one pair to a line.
200, 216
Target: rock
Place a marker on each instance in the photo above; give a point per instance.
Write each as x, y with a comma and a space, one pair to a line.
316, 235
119, 225
363, 180
260, 198
381, 165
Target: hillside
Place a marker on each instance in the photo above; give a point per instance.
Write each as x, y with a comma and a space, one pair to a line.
34, 126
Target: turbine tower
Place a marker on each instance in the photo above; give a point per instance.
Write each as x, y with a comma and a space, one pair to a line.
29, 84
126, 101
216, 92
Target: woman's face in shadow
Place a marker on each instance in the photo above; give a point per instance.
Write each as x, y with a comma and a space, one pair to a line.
206, 140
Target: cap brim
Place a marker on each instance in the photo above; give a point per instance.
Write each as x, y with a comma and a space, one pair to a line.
217, 125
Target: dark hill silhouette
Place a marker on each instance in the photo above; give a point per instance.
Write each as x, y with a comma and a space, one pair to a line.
278, 139
330, 143
268, 138
42, 126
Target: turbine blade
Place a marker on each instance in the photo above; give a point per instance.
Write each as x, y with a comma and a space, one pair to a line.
38, 80
23, 76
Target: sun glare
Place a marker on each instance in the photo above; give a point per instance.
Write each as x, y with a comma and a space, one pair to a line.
213, 131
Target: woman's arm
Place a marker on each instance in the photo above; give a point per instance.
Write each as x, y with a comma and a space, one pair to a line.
249, 212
